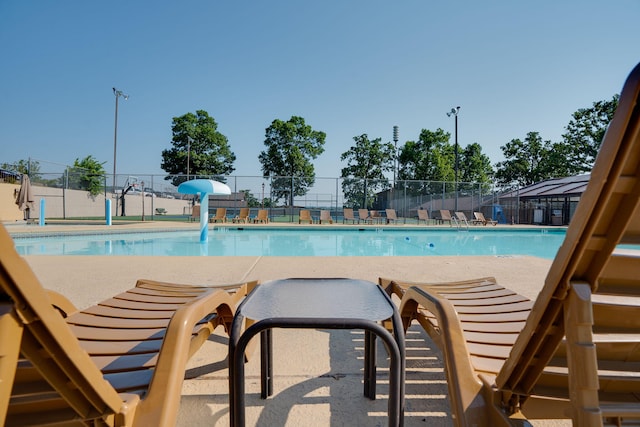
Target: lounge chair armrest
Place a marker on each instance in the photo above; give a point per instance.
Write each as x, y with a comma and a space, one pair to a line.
165, 388
464, 386
61, 303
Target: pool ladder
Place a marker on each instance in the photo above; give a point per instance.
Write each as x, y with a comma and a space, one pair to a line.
461, 225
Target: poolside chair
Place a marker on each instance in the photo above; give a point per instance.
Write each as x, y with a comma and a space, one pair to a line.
445, 216
376, 217
363, 215
118, 363
195, 213
305, 215
480, 219
423, 215
462, 218
243, 216
573, 353
347, 215
221, 215
325, 216
262, 217
391, 216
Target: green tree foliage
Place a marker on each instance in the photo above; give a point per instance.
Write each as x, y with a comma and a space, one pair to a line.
195, 136
584, 135
527, 161
431, 158
367, 161
30, 167
291, 146
87, 174
251, 200
475, 167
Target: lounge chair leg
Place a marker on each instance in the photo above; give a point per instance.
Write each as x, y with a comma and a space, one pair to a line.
582, 357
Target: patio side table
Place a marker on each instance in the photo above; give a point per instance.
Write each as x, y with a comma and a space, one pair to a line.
314, 304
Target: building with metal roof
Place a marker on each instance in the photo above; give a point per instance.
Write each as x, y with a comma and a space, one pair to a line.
549, 202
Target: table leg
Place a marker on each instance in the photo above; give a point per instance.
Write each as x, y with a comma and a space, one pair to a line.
266, 364
370, 364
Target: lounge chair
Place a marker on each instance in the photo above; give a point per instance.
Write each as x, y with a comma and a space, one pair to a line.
121, 362
462, 218
376, 217
391, 216
347, 215
423, 215
221, 215
305, 215
480, 219
445, 216
243, 216
363, 215
195, 213
325, 216
573, 353
262, 217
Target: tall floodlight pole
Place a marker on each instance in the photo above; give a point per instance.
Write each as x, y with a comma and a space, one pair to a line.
189, 141
454, 112
395, 153
395, 162
118, 94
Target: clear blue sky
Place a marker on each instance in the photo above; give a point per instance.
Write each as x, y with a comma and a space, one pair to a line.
347, 67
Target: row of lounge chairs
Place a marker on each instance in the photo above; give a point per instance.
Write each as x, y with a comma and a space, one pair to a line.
241, 217
364, 215
572, 353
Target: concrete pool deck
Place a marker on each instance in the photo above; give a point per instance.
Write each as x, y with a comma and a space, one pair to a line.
318, 374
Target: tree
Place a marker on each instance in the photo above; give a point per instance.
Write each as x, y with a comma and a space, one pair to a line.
427, 162
527, 161
87, 174
475, 167
584, 135
251, 200
196, 139
291, 146
30, 167
367, 161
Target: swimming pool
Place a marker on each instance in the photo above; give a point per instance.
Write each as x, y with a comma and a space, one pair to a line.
302, 241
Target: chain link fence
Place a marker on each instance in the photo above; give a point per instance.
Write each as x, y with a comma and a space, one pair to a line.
283, 196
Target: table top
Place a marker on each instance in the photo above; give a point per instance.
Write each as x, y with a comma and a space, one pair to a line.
319, 299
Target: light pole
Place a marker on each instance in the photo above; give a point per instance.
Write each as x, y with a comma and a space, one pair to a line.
395, 153
454, 112
395, 162
118, 94
189, 140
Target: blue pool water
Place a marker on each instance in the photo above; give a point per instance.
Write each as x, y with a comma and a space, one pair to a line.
295, 241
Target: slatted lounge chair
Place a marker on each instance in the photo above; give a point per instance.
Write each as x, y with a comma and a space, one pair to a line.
363, 215
325, 216
462, 218
376, 217
305, 216
347, 215
221, 215
391, 216
445, 216
195, 213
262, 217
243, 216
423, 215
480, 219
119, 363
574, 352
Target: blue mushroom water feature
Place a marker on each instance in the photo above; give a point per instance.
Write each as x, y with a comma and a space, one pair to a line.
203, 187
